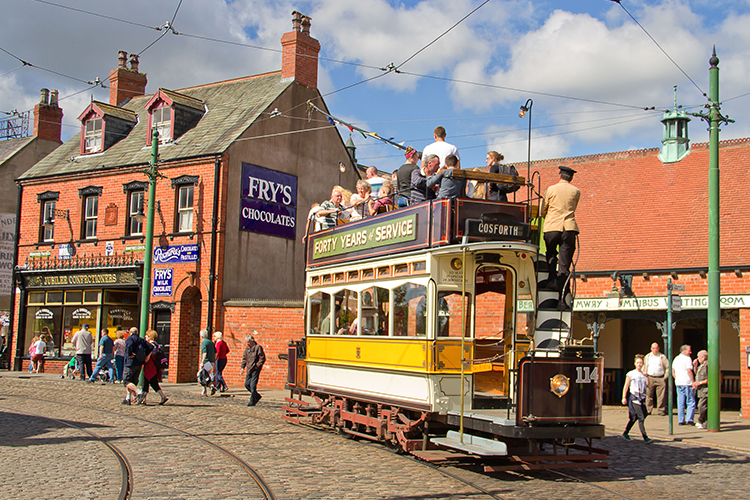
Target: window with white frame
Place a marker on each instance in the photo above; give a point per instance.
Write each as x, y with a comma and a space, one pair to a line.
92, 140
135, 206
48, 216
90, 215
162, 120
185, 209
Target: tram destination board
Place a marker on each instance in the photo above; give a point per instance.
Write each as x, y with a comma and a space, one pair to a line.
496, 230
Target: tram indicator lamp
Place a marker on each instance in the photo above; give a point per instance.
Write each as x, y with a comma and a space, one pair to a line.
456, 264
559, 385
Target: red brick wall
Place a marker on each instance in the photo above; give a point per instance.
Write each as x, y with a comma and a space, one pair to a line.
744, 371
276, 326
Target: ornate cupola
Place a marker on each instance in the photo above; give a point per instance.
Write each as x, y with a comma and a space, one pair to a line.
676, 143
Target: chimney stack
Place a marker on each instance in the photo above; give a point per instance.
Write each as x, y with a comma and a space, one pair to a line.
300, 53
48, 117
126, 83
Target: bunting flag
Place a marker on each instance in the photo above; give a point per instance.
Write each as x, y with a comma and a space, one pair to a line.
336, 121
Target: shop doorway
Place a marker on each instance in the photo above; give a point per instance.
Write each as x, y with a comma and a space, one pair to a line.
162, 326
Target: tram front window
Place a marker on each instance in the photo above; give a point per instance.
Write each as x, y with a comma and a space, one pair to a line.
346, 302
410, 310
491, 303
375, 306
449, 314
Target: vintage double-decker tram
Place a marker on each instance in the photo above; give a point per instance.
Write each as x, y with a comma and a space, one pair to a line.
426, 329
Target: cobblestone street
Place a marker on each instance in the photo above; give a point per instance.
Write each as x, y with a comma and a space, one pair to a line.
53, 435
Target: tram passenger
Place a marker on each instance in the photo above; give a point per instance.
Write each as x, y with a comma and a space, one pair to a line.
312, 220
419, 190
634, 395
499, 192
361, 202
448, 186
560, 227
331, 209
384, 203
441, 148
403, 174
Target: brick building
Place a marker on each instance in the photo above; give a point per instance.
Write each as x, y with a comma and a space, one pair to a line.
644, 219
241, 166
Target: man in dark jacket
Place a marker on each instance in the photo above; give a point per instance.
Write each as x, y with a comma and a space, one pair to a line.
419, 190
252, 361
137, 352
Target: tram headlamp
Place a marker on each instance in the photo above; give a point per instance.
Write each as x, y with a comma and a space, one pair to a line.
456, 264
559, 385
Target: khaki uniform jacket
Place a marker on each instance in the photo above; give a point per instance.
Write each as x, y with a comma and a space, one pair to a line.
559, 207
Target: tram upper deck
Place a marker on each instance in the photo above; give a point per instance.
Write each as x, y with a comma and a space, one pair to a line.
426, 225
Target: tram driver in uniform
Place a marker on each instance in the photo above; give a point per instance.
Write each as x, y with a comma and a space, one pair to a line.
560, 229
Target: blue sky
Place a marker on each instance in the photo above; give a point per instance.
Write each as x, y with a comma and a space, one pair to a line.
587, 66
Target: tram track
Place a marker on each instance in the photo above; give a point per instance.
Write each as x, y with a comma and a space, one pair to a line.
128, 483
126, 486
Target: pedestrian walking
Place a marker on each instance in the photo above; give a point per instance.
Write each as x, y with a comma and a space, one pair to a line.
634, 395
152, 370
682, 371
37, 358
208, 359
701, 389
137, 352
222, 349
253, 360
106, 353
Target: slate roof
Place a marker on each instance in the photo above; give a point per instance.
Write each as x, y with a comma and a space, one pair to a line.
10, 147
184, 100
120, 113
233, 105
637, 213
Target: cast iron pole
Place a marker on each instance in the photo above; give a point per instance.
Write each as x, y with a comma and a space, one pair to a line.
148, 252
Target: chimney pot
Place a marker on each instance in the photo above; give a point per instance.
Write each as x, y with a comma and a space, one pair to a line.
296, 20
53, 95
134, 62
44, 97
122, 58
306, 25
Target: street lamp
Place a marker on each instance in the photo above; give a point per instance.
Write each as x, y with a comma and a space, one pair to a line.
51, 215
526, 108
148, 253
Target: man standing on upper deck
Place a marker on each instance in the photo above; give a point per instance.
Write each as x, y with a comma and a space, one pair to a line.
419, 190
560, 227
441, 148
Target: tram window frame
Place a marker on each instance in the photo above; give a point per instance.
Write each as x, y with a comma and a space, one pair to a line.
468, 298
376, 308
421, 300
507, 301
341, 297
317, 318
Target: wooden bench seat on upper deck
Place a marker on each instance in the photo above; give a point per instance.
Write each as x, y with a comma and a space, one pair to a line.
477, 175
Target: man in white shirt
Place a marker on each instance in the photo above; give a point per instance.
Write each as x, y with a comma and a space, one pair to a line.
441, 148
682, 371
656, 369
374, 179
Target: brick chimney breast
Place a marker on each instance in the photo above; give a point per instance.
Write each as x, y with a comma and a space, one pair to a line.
300, 53
126, 83
48, 117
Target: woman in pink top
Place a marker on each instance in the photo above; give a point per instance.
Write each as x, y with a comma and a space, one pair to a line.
222, 349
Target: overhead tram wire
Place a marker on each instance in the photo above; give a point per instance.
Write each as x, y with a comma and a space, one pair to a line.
95, 14
441, 35
94, 82
166, 27
619, 2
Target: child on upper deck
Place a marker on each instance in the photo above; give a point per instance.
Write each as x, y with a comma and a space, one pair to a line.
449, 187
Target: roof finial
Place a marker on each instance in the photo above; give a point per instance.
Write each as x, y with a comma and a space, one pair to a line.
675, 97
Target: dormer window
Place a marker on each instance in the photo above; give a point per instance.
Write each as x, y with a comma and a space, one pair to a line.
162, 120
172, 114
92, 141
103, 125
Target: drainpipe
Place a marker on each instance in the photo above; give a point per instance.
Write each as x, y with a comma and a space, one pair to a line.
16, 360
214, 229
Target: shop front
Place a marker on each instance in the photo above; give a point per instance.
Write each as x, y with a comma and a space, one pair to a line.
56, 302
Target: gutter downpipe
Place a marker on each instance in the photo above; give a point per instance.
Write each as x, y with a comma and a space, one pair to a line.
15, 359
214, 229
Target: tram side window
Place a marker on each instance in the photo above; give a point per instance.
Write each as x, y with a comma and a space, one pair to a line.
320, 313
449, 314
410, 310
375, 308
346, 302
